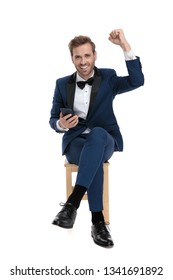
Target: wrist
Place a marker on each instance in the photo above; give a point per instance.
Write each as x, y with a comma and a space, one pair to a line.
60, 124
126, 47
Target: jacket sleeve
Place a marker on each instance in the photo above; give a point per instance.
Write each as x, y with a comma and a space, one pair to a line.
55, 111
134, 79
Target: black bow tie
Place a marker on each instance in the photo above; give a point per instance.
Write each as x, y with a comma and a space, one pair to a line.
81, 84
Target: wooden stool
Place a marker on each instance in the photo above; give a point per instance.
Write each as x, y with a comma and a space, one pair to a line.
70, 168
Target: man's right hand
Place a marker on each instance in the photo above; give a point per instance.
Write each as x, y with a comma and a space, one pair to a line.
68, 121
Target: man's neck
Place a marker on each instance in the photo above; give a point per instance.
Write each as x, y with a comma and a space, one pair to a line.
81, 78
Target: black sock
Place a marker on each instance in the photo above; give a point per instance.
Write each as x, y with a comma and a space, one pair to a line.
76, 196
97, 217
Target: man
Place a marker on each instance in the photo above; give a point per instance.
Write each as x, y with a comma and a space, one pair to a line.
91, 134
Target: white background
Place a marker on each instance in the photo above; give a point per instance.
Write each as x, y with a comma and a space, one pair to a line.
34, 53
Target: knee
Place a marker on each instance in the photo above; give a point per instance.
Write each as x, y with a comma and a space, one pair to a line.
99, 133
99, 130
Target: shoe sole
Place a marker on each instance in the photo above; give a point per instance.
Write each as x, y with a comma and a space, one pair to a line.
59, 225
101, 245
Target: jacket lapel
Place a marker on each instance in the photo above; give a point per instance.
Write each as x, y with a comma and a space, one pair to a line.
71, 91
95, 88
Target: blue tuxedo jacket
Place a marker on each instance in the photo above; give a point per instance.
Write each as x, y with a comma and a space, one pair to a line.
104, 89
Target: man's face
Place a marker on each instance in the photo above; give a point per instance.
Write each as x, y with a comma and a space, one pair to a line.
84, 59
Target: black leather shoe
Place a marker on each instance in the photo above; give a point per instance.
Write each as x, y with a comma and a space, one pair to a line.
101, 235
66, 217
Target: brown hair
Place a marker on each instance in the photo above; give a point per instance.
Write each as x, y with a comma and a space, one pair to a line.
80, 40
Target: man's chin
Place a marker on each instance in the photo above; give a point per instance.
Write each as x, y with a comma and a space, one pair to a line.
84, 73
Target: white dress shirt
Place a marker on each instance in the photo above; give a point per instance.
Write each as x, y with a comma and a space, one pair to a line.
82, 96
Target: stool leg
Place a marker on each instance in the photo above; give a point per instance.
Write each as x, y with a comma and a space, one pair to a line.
69, 187
106, 193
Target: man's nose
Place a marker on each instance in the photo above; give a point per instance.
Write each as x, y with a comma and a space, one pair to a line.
83, 60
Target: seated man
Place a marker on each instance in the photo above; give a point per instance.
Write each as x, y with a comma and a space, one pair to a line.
91, 132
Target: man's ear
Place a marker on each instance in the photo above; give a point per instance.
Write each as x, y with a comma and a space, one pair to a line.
95, 55
72, 59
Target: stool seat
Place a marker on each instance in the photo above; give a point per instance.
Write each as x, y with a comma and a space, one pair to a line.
71, 168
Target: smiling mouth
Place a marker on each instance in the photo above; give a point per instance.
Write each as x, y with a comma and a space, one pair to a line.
83, 68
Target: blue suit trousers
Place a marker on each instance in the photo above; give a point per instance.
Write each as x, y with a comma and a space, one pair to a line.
89, 151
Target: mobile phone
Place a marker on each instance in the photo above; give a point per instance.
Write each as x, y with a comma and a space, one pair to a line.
66, 111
